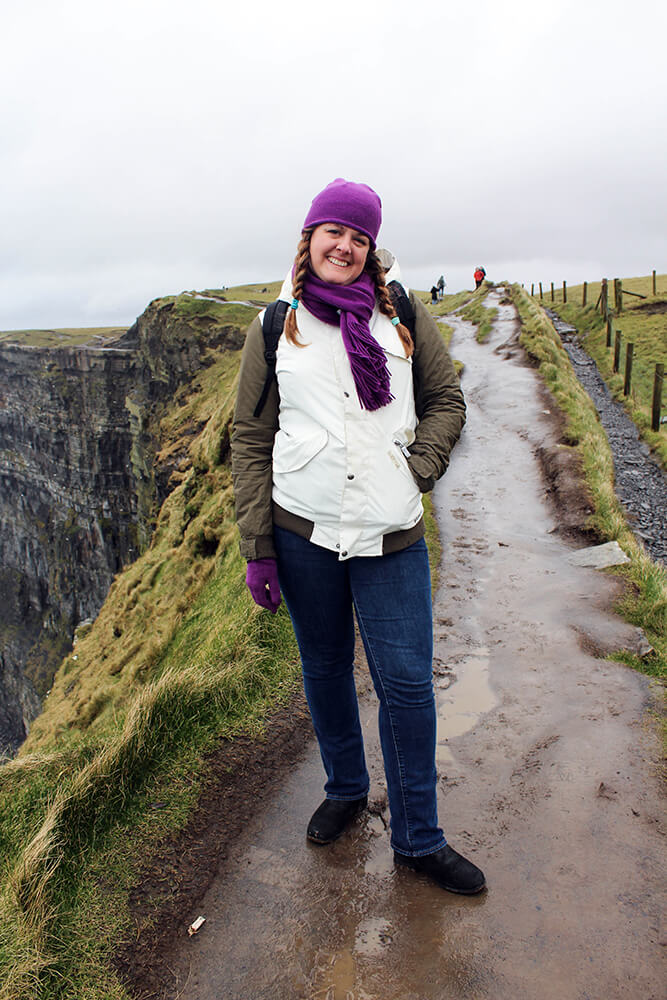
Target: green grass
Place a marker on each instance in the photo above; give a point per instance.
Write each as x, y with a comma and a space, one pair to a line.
642, 284
645, 599
232, 313
448, 303
468, 304
226, 669
452, 303
476, 312
639, 325
65, 337
259, 294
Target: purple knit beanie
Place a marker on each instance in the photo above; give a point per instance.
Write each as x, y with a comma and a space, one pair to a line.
349, 204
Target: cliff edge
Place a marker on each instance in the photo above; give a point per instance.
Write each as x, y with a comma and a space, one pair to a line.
83, 472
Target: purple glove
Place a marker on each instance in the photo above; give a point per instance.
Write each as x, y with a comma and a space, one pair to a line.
262, 581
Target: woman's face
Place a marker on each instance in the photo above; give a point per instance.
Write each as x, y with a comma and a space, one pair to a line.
338, 254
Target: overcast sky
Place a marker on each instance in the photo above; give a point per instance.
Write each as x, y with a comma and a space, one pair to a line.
152, 146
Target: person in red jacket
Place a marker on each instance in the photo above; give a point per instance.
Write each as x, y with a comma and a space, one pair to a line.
480, 275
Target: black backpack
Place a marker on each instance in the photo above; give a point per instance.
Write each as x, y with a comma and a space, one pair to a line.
274, 321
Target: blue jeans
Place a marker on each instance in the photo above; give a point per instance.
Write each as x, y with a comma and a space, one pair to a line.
391, 595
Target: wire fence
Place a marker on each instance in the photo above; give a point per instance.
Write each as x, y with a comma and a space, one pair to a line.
608, 314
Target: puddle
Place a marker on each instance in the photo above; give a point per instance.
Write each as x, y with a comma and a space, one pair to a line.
343, 975
374, 935
464, 701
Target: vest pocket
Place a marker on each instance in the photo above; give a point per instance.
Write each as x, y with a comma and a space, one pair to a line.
291, 453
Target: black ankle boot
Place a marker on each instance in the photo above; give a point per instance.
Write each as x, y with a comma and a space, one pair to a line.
330, 819
449, 869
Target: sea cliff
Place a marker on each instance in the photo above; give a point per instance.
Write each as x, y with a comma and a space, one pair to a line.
81, 478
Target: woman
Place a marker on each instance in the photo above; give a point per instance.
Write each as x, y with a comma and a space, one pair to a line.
328, 478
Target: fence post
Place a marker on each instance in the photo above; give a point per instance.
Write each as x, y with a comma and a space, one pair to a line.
628, 369
552, 291
618, 295
608, 330
584, 293
617, 351
541, 296
654, 291
657, 396
564, 292
532, 289
603, 298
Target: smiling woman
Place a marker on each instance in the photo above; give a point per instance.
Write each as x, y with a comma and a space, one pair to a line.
328, 477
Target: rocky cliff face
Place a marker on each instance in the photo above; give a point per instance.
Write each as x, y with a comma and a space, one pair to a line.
79, 486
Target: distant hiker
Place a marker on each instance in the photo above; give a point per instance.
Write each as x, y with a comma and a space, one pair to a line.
434, 295
480, 275
441, 286
360, 419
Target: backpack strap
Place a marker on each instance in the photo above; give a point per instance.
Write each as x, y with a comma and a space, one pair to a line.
402, 305
272, 327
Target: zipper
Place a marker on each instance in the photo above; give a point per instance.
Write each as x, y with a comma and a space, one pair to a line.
403, 447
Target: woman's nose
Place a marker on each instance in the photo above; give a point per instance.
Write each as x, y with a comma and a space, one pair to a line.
344, 244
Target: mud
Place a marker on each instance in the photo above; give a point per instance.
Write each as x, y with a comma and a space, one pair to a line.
651, 308
547, 777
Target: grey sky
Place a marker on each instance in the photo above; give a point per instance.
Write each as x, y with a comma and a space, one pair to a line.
151, 146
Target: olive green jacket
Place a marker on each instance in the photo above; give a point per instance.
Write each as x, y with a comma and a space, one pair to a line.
440, 411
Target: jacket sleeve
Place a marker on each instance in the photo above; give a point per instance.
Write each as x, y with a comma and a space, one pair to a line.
438, 400
252, 450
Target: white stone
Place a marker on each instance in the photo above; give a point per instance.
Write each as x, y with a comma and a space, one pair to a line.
599, 556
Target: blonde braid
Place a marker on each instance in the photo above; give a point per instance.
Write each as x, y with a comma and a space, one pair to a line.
301, 265
376, 271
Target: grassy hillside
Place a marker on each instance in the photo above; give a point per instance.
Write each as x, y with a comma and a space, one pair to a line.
642, 322
178, 658
259, 294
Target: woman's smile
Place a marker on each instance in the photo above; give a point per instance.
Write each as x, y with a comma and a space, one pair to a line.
337, 253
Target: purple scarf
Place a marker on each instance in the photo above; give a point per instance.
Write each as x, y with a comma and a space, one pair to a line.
351, 306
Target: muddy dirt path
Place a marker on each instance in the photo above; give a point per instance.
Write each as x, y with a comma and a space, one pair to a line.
546, 771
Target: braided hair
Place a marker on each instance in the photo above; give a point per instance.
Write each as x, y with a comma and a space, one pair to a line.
301, 266
385, 304
373, 268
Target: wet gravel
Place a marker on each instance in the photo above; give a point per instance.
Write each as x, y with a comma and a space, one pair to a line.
641, 485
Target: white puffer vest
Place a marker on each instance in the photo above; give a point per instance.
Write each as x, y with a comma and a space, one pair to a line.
340, 466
